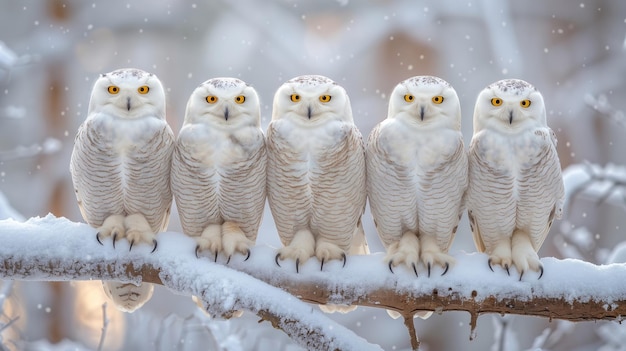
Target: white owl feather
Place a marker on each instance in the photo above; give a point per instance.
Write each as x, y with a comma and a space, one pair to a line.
417, 173
120, 167
516, 189
218, 170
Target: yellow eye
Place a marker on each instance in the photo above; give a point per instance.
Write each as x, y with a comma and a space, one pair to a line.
525, 103
325, 98
437, 99
496, 101
409, 98
295, 97
240, 99
143, 89
211, 99
113, 89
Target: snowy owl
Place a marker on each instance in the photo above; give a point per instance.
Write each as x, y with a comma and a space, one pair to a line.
516, 189
120, 167
218, 170
417, 173
315, 172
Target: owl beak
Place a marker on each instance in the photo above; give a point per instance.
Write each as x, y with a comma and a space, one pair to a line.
309, 112
226, 114
510, 117
128, 103
422, 113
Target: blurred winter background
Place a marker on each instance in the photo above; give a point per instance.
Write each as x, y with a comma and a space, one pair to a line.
52, 51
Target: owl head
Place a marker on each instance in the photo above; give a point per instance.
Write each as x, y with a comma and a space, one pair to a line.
224, 102
509, 105
311, 100
426, 101
128, 93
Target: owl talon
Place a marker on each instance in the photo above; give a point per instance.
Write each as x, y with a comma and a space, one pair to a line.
114, 239
276, 260
489, 264
228, 260
98, 238
131, 245
322, 265
414, 269
540, 272
247, 256
197, 250
155, 245
297, 265
215, 258
446, 269
391, 267
428, 266
520, 276
506, 266
343, 255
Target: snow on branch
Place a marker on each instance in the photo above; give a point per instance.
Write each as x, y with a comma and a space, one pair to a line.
56, 249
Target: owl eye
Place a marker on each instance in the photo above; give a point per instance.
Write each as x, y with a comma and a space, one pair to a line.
113, 89
325, 98
496, 101
240, 99
295, 97
211, 99
143, 89
409, 98
525, 103
437, 99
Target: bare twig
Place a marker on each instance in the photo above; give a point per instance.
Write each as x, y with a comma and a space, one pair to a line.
105, 325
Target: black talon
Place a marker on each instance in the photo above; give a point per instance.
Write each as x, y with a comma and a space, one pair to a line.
343, 254
489, 263
541, 270
390, 266
520, 276
197, 250
98, 238
228, 260
248, 256
322, 265
215, 258
414, 269
131, 245
114, 239
506, 266
445, 270
428, 265
155, 245
297, 264
276, 259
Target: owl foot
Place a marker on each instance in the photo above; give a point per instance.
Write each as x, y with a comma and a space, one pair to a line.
501, 255
112, 226
404, 251
138, 230
301, 248
524, 255
326, 251
234, 240
432, 254
210, 239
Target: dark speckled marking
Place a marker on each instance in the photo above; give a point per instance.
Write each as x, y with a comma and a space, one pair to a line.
514, 86
425, 80
312, 80
225, 83
128, 72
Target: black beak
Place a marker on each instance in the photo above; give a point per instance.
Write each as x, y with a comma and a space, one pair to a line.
226, 114
309, 112
128, 103
510, 117
422, 113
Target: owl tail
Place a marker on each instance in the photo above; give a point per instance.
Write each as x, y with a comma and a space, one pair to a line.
359, 242
128, 297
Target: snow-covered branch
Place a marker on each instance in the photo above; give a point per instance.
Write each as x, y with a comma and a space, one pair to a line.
57, 249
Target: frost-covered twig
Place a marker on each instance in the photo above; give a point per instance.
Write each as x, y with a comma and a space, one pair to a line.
105, 325
54, 249
601, 104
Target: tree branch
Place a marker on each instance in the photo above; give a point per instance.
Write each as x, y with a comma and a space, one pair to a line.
54, 249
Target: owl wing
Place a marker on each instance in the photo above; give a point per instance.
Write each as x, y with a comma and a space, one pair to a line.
392, 206
541, 191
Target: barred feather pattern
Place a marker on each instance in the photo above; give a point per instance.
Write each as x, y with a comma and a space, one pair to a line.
319, 185
219, 178
520, 173
416, 181
112, 175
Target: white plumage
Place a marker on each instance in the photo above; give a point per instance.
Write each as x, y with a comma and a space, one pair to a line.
417, 173
316, 171
120, 167
218, 170
516, 189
